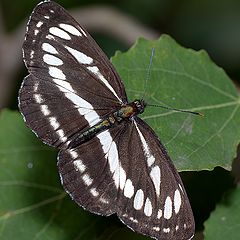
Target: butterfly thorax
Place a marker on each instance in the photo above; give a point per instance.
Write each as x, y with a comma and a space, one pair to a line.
125, 112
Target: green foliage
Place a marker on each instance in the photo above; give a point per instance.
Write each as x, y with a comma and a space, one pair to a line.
224, 221
32, 202
183, 78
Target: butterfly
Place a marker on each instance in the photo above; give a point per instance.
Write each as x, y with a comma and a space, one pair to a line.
110, 161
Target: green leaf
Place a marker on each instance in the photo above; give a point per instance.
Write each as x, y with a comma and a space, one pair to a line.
224, 221
32, 202
185, 79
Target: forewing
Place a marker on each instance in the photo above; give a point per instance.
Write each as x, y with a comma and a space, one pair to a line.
125, 170
69, 77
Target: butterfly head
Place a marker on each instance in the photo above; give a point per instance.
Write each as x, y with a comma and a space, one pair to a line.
140, 105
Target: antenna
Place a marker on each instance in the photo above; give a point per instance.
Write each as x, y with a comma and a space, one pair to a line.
148, 73
161, 106
175, 109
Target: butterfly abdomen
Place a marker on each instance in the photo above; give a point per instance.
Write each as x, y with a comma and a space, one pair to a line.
115, 118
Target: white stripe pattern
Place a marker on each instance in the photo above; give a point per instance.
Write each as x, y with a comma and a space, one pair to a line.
79, 56
54, 123
87, 180
84, 107
95, 71
38, 98
148, 207
59, 33
138, 199
167, 208
94, 192
146, 150
79, 166
155, 175
45, 110
177, 201
56, 73
49, 48
39, 24
70, 29
108, 145
128, 189
110, 149
52, 60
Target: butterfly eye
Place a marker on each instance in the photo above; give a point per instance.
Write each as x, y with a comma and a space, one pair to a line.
109, 161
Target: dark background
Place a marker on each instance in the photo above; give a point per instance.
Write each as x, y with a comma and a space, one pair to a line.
199, 24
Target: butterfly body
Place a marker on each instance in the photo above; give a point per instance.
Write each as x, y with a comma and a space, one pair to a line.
124, 113
110, 161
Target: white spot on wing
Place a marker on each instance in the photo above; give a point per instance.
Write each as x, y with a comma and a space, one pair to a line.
54, 123
155, 175
148, 208
38, 98
119, 176
45, 110
103, 200
39, 24
49, 48
168, 208
128, 189
71, 29
31, 54
87, 180
79, 166
59, 33
50, 37
52, 60
47, 17
56, 73
147, 153
133, 220
156, 229
73, 154
113, 157
138, 199
159, 214
166, 230
122, 177
36, 31
61, 134
79, 56
94, 192
35, 86
177, 201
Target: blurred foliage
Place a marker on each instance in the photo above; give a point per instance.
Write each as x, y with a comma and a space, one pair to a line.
211, 25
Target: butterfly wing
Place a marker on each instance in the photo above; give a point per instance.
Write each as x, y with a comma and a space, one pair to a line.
158, 205
128, 172
124, 170
70, 76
